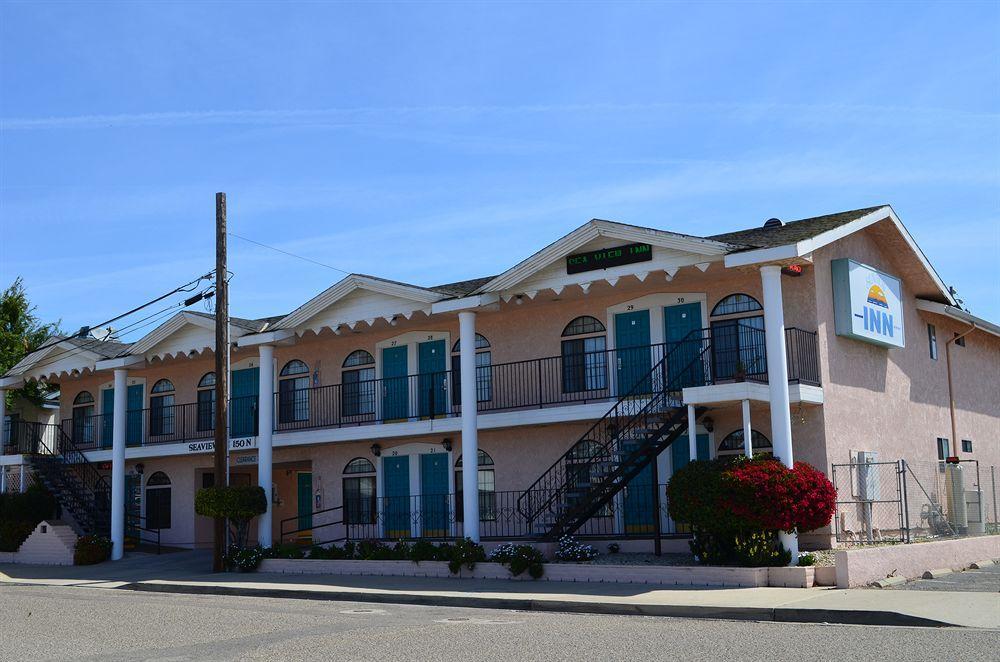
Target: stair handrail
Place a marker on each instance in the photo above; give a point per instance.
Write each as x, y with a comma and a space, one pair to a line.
639, 388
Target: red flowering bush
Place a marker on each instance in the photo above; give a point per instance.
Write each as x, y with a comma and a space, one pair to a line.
736, 506
765, 494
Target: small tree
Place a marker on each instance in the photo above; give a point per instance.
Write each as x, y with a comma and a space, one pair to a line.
21, 332
237, 503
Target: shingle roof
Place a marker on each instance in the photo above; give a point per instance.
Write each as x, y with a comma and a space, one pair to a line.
106, 348
793, 231
462, 287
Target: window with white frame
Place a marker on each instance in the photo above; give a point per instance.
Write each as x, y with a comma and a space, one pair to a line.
484, 371
584, 355
486, 480
358, 384
734, 444
293, 392
206, 403
161, 408
359, 492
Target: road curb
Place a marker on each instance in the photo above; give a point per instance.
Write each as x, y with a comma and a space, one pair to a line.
779, 614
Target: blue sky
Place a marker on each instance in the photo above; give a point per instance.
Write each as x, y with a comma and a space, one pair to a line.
437, 142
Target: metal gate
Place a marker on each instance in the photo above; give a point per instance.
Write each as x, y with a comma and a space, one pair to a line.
871, 498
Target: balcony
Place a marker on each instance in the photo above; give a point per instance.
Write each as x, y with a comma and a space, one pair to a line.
729, 354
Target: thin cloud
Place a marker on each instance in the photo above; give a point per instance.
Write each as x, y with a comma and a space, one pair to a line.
349, 117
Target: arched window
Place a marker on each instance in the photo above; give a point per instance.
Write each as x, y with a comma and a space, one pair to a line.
582, 471
733, 444
358, 384
486, 479
161, 409
584, 356
738, 348
293, 393
206, 403
83, 419
736, 303
484, 371
359, 492
158, 501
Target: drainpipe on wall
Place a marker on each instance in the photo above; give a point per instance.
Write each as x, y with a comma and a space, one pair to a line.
951, 392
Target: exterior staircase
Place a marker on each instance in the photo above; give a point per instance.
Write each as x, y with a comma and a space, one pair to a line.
83, 495
640, 426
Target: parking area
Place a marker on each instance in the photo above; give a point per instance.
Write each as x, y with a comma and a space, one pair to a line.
980, 581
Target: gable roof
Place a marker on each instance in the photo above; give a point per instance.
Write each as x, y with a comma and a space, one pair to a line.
600, 228
793, 231
352, 283
72, 352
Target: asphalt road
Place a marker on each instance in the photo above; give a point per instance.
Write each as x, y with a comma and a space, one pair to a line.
65, 623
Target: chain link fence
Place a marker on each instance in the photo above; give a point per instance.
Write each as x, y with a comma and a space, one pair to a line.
902, 501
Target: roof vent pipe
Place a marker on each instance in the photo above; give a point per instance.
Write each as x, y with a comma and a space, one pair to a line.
773, 223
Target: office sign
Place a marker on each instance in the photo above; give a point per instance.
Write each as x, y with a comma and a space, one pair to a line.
608, 257
868, 304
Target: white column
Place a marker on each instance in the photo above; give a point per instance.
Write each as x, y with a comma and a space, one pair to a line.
118, 466
265, 409
777, 379
692, 435
470, 431
747, 430
23, 487
3, 479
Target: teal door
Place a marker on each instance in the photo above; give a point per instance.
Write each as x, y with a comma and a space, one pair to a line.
639, 499
394, 387
133, 420
434, 494
107, 416
633, 352
396, 478
243, 407
304, 500
680, 454
682, 346
431, 366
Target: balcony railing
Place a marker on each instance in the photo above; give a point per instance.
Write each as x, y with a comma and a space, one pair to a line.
633, 514
736, 352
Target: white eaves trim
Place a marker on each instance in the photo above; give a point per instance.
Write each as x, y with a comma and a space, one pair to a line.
592, 230
120, 362
62, 358
349, 284
465, 303
268, 338
958, 314
167, 329
803, 248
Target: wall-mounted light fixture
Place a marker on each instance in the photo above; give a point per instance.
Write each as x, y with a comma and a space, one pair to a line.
708, 423
519, 299
394, 321
446, 444
376, 450
140, 468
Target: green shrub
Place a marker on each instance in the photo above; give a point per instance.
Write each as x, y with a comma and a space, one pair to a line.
91, 549
519, 558
423, 550
244, 559
574, 552
466, 553
807, 559
237, 503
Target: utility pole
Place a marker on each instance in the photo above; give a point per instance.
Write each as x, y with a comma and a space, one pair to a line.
221, 370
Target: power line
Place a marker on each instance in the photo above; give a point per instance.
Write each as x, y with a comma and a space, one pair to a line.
284, 252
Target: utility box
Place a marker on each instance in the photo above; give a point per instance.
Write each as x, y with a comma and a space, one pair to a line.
958, 510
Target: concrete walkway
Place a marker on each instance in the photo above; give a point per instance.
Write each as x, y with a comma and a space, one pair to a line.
186, 573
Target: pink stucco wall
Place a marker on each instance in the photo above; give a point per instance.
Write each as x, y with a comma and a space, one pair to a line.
858, 567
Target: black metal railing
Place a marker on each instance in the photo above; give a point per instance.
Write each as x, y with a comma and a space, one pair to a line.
137, 533
65, 471
639, 511
738, 353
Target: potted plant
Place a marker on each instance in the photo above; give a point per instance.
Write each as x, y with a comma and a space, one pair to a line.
740, 372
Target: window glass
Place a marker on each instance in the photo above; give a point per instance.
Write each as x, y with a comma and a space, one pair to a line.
583, 325
584, 364
942, 448
736, 303
733, 444
207, 380
357, 395
966, 445
158, 493
359, 492
932, 341
293, 393
83, 397
163, 386
484, 372
486, 482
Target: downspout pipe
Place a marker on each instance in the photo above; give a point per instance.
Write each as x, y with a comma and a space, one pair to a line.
951, 392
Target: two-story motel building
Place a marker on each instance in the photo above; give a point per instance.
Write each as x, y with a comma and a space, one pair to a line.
812, 340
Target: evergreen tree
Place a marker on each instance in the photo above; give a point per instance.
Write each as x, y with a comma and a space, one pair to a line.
21, 332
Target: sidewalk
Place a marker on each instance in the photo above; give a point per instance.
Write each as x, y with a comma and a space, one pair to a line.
184, 573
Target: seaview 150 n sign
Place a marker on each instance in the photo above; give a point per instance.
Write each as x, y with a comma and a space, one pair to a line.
868, 304
608, 257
